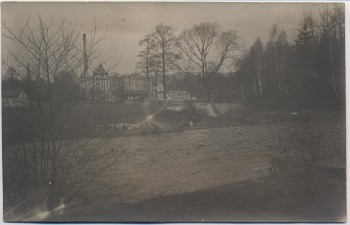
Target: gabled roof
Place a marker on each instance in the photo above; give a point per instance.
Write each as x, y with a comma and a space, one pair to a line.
100, 71
14, 93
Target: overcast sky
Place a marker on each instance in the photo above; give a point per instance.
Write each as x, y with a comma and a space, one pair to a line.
127, 23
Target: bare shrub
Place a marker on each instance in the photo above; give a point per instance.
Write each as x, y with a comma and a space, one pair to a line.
53, 166
296, 148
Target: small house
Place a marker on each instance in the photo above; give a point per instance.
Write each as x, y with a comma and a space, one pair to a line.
14, 98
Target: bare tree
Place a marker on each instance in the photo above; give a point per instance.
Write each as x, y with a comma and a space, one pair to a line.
257, 51
200, 43
332, 28
276, 51
155, 70
165, 46
145, 55
60, 165
311, 24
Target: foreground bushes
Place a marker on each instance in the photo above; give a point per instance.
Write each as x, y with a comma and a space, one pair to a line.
296, 148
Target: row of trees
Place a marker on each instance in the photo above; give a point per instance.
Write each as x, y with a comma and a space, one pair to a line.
309, 71
198, 52
158, 55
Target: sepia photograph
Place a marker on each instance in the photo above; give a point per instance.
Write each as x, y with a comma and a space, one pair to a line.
173, 112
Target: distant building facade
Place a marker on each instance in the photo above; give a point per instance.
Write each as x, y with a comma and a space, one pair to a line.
133, 88
14, 98
172, 95
102, 84
116, 87
175, 96
107, 87
178, 96
134, 82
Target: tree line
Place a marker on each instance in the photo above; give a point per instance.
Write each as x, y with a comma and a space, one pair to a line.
308, 71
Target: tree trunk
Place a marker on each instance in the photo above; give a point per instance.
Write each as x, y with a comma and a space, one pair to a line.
242, 93
164, 86
42, 165
254, 86
25, 161
259, 76
332, 64
283, 75
147, 74
35, 161
213, 106
53, 197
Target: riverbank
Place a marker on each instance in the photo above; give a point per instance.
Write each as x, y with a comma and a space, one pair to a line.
166, 121
115, 120
318, 196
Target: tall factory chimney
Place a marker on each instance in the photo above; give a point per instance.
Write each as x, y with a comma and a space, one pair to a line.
85, 80
85, 56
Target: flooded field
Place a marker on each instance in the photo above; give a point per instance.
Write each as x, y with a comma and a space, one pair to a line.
180, 162
161, 164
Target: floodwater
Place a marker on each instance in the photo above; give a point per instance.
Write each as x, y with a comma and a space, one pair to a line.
191, 160
178, 162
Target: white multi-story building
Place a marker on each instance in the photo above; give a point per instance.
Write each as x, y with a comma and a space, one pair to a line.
133, 87
102, 84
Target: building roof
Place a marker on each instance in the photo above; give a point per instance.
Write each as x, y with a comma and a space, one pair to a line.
14, 93
100, 71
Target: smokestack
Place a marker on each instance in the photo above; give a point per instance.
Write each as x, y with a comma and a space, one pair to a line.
29, 73
85, 56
